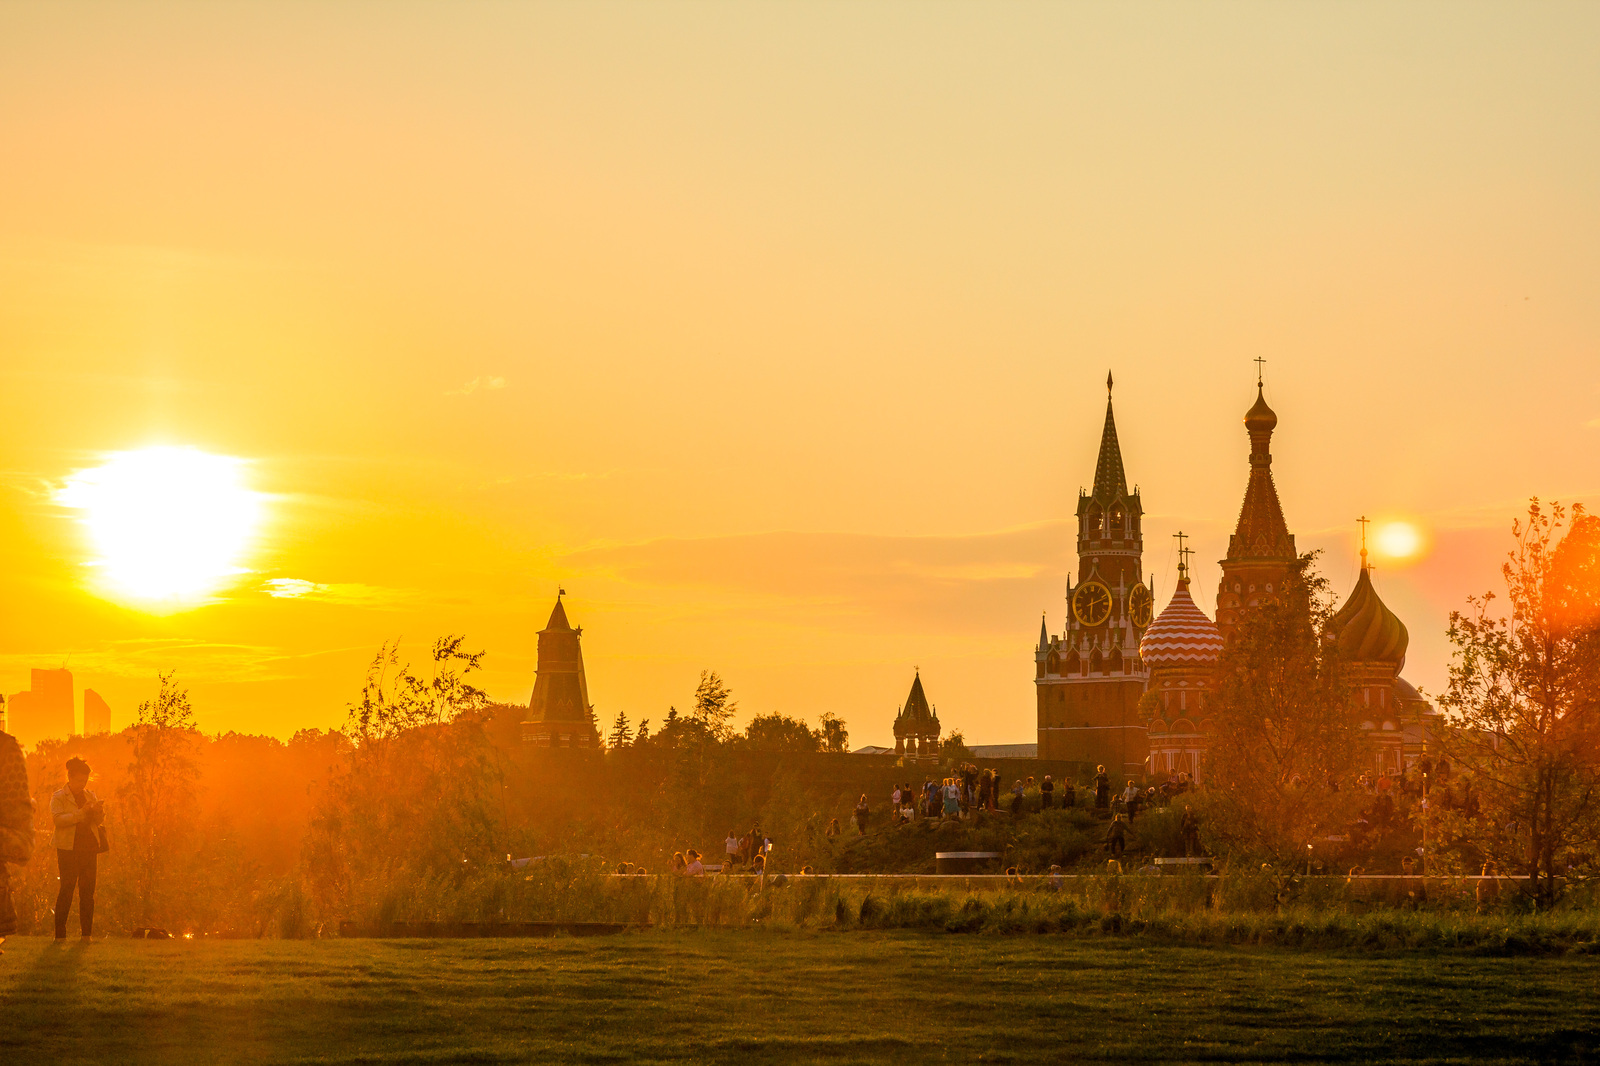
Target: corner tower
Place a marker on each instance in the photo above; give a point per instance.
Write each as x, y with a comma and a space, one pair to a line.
1261, 551
559, 713
1089, 679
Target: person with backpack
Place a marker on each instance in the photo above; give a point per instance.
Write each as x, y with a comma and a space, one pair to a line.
16, 824
77, 814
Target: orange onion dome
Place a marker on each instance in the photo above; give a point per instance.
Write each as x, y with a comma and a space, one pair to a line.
1260, 416
1181, 635
1365, 630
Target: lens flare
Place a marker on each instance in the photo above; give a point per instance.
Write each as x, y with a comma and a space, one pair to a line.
168, 526
1398, 540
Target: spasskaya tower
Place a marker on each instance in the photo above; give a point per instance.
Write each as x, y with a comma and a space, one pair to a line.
1089, 679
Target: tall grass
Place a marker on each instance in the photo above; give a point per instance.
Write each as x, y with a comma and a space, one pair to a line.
1245, 908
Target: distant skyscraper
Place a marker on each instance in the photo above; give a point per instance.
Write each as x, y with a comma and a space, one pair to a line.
96, 713
45, 712
559, 713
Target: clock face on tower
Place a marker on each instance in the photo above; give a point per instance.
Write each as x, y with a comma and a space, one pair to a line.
1139, 604
1091, 603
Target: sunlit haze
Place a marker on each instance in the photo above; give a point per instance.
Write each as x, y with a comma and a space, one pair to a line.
776, 335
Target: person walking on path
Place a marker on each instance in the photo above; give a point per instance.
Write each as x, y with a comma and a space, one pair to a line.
16, 824
1102, 789
76, 812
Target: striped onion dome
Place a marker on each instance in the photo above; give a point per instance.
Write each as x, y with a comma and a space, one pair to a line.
1181, 635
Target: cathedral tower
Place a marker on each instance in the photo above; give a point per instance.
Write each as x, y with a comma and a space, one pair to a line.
559, 714
1089, 679
1261, 551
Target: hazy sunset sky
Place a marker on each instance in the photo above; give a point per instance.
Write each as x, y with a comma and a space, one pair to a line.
776, 334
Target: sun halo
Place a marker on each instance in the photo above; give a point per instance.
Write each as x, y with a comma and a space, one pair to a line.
168, 526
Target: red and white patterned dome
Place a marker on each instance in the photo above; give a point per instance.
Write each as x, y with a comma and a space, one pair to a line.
1182, 635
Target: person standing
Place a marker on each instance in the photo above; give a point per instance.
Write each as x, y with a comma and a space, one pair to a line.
16, 824
863, 812
1117, 836
1102, 789
730, 848
1190, 827
1047, 793
76, 812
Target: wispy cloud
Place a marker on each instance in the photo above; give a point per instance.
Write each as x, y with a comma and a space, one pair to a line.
346, 595
480, 384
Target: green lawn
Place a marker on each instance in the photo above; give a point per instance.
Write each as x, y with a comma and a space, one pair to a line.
752, 997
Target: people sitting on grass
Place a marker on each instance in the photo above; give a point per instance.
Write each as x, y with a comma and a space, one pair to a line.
680, 865
694, 867
832, 831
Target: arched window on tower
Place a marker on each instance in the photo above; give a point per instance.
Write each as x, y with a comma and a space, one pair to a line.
1116, 519
1073, 663
1116, 660
1094, 521
1095, 662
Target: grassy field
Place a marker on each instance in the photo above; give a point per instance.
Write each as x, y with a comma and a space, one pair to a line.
755, 997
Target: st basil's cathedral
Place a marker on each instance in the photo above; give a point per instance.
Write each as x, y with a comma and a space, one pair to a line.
1090, 678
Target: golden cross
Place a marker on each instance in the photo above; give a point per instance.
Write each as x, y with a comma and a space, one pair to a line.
1183, 556
1260, 362
1362, 521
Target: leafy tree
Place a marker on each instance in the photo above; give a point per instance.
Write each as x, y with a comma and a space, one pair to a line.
1524, 703
953, 748
421, 790
158, 799
835, 737
714, 704
778, 732
621, 732
1285, 734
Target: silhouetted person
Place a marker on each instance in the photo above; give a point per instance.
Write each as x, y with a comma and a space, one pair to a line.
863, 812
1047, 793
1102, 789
1488, 890
1117, 836
76, 812
16, 824
1190, 827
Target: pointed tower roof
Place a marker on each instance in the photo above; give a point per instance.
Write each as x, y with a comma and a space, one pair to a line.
1109, 479
1182, 634
1044, 635
917, 711
1262, 533
558, 617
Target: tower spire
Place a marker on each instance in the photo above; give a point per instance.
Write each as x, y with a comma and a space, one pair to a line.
1109, 479
1362, 521
1183, 556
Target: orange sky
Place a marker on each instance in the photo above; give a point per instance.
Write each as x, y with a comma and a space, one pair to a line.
788, 324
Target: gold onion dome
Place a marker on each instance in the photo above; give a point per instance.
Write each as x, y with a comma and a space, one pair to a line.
1365, 630
1260, 416
1181, 635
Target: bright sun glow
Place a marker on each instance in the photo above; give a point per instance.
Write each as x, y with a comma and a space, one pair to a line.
169, 526
1398, 540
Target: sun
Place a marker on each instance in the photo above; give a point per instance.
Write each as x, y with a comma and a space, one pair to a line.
1398, 540
169, 526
